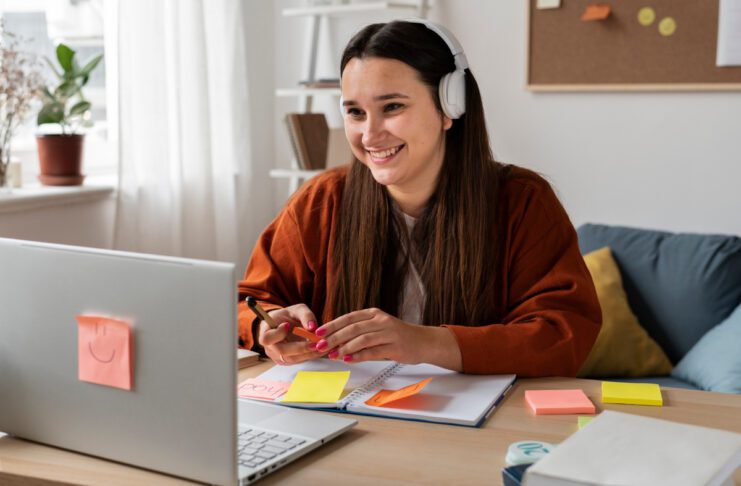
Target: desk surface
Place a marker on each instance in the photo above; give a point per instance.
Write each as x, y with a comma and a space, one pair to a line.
381, 450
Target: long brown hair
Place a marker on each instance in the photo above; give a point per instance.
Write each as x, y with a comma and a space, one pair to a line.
455, 243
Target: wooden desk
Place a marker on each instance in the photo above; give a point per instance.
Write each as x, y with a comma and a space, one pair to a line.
380, 450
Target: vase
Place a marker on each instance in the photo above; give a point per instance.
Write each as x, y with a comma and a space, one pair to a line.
60, 159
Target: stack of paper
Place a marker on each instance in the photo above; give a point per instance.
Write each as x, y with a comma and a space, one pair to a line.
623, 449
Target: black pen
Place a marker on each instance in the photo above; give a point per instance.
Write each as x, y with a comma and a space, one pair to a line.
252, 304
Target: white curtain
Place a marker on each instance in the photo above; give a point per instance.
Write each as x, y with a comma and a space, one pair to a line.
184, 130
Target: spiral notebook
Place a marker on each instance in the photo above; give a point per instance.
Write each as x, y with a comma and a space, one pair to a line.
450, 398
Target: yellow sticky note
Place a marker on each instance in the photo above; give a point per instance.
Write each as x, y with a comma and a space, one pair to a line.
317, 386
385, 397
631, 393
583, 420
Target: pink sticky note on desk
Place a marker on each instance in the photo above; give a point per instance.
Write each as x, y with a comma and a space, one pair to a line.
558, 401
104, 351
262, 389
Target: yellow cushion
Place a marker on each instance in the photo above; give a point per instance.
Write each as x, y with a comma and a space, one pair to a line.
623, 347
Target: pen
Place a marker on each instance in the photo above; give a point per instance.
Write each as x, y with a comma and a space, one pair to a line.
298, 331
252, 304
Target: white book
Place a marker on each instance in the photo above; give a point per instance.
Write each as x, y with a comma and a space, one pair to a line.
451, 397
623, 449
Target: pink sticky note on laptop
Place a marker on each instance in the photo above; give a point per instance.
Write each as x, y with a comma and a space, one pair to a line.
104, 351
558, 402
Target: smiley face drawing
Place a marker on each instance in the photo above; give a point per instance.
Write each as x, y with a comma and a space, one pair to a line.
104, 351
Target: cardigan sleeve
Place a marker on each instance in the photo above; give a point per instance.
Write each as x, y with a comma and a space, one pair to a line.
552, 316
274, 274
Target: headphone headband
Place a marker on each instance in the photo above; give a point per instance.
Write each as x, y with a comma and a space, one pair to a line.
455, 47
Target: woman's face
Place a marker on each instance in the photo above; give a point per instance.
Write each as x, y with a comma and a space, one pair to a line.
392, 123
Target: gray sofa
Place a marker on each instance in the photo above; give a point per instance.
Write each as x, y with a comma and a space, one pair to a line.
680, 286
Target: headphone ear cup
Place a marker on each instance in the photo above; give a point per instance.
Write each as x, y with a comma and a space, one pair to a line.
452, 91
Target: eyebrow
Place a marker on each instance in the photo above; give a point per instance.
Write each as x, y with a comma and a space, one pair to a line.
389, 96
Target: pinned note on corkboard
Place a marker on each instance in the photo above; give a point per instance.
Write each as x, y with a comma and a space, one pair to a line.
641, 45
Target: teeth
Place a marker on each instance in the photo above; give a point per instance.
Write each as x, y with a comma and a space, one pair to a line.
385, 153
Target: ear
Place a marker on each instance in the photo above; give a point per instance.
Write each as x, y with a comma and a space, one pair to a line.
447, 123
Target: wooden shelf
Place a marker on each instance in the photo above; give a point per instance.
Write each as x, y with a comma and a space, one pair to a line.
285, 92
346, 9
294, 173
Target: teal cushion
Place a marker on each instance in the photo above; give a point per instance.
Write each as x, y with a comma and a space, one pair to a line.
678, 285
714, 363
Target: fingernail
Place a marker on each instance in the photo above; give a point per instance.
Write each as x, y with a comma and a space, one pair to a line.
333, 355
347, 358
312, 346
321, 344
311, 325
285, 326
321, 331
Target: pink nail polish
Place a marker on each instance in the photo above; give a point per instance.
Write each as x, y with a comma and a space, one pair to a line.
321, 331
285, 326
333, 355
311, 325
347, 358
321, 345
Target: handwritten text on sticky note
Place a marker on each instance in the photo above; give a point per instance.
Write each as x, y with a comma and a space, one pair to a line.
317, 386
262, 389
104, 350
385, 397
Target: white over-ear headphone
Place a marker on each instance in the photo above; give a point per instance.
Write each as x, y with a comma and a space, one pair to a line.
452, 88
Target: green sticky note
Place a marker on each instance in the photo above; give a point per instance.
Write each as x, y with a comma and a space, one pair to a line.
583, 420
631, 393
317, 386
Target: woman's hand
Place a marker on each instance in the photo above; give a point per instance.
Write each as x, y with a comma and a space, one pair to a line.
372, 334
282, 346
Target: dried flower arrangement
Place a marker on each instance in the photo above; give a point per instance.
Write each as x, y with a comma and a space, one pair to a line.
20, 85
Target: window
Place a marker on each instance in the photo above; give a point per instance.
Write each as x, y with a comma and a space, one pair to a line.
43, 24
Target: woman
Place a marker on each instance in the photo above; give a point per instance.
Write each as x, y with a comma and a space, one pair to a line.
425, 249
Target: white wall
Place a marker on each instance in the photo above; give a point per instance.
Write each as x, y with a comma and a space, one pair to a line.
660, 160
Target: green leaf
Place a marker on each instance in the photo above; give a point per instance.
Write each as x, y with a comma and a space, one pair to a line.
80, 108
92, 64
65, 56
53, 67
66, 89
51, 113
49, 95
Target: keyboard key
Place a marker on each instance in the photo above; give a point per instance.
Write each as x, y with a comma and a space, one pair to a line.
273, 450
279, 445
296, 441
265, 454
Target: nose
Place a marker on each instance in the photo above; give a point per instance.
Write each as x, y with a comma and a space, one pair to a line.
373, 130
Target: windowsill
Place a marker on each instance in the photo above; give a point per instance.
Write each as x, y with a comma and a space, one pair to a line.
36, 196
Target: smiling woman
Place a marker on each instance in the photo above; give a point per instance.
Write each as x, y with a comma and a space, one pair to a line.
426, 249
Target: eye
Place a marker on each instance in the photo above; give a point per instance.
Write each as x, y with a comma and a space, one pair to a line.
354, 112
392, 107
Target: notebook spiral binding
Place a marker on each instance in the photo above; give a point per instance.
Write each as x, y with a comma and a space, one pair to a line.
378, 379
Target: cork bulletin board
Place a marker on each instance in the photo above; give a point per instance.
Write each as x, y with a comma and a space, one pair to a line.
624, 52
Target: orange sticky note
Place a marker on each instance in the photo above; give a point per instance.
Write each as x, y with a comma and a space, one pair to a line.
558, 401
104, 351
263, 389
301, 332
598, 11
384, 397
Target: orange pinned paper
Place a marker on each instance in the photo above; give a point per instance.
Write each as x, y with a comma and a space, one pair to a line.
263, 389
384, 397
301, 332
104, 351
598, 11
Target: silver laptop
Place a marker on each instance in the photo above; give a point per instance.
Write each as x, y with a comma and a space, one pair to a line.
64, 316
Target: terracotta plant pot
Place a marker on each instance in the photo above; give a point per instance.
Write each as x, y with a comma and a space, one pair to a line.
60, 159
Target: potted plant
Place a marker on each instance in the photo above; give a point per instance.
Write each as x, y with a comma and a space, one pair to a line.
60, 154
20, 85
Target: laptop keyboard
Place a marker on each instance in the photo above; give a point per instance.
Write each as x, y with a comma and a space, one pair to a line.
255, 447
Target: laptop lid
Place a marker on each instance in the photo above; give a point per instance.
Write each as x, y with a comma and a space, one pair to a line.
177, 418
